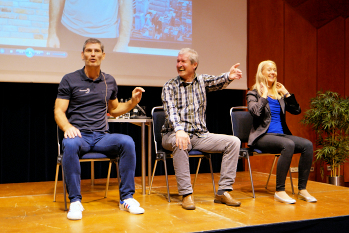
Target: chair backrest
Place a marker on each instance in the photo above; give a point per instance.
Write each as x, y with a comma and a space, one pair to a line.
158, 115
59, 143
241, 121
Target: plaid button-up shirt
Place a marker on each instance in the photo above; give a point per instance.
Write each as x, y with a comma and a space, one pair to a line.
185, 103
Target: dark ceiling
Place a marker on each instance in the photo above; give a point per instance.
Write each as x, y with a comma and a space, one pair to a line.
320, 12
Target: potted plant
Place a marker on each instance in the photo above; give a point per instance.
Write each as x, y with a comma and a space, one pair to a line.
329, 118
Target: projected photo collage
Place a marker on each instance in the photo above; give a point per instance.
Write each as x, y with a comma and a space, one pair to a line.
49, 29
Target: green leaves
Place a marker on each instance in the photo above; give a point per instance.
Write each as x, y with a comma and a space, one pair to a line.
329, 118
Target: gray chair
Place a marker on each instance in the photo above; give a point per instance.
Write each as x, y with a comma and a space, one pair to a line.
158, 115
241, 121
89, 157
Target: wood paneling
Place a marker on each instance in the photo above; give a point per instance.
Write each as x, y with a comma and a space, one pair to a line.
346, 172
320, 12
346, 165
300, 66
265, 35
347, 57
317, 12
331, 62
331, 55
300, 69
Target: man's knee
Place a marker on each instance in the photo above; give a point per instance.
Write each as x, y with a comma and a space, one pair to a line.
71, 143
71, 149
169, 142
127, 142
234, 141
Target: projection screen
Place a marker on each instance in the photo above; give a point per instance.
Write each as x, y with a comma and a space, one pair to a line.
42, 40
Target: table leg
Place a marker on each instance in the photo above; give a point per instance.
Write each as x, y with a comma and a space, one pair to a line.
149, 152
143, 157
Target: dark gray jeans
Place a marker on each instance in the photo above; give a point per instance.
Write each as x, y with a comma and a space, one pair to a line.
213, 143
288, 145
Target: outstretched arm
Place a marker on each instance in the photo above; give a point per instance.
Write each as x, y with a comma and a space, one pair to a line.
55, 14
126, 19
234, 72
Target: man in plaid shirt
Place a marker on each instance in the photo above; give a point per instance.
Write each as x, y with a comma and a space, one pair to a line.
184, 101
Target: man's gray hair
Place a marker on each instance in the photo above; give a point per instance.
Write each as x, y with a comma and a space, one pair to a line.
193, 55
93, 41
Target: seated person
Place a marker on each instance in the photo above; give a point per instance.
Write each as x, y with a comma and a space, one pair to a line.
83, 99
184, 101
268, 102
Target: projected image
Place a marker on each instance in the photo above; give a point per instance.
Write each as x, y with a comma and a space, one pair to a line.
163, 21
158, 27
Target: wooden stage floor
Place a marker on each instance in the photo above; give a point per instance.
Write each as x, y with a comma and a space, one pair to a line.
29, 207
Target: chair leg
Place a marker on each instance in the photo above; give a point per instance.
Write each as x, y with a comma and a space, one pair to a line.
152, 177
64, 191
291, 180
92, 173
108, 179
249, 169
168, 188
271, 170
197, 171
118, 175
56, 180
213, 183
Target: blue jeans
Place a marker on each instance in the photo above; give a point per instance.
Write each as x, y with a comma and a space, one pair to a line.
111, 145
288, 145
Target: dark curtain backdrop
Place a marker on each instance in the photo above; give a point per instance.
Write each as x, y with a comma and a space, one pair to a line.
28, 147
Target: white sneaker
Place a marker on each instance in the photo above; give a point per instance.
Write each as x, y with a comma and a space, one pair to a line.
131, 205
75, 211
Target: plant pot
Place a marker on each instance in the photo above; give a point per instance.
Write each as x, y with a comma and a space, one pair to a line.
336, 180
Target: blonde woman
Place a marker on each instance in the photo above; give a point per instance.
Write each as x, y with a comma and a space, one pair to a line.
268, 102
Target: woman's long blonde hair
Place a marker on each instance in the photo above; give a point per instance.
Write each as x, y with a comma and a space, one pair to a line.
261, 78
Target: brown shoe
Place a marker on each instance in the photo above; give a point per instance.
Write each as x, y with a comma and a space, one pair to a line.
227, 199
188, 203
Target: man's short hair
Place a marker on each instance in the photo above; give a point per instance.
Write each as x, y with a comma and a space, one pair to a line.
93, 41
193, 55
